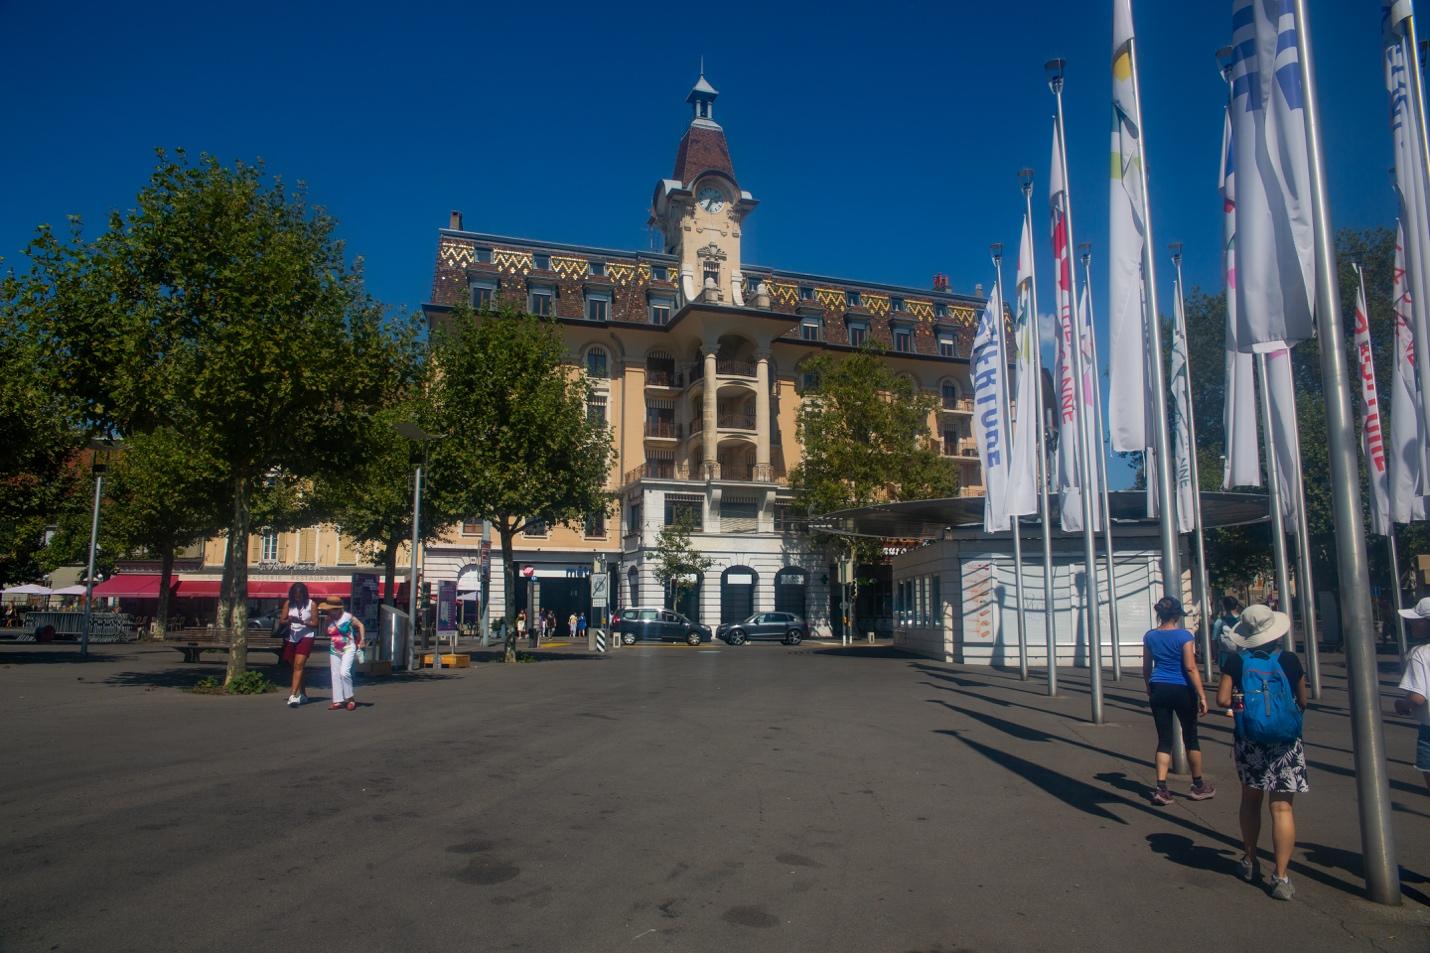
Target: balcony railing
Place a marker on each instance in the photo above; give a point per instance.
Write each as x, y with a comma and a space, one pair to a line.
657, 470
697, 425
961, 404
964, 447
662, 377
733, 368
735, 421
663, 429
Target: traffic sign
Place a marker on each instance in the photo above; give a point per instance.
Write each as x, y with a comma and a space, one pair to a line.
600, 591
528, 571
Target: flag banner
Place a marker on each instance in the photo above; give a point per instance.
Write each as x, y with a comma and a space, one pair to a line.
990, 412
1149, 479
1027, 434
1282, 391
1183, 456
1372, 438
1274, 254
1410, 179
1074, 397
1242, 466
1127, 369
1407, 418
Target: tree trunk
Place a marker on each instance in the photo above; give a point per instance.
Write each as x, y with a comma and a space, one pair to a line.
225, 586
509, 573
238, 591
389, 562
166, 573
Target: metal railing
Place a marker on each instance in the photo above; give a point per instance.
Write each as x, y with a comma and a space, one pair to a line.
733, 368
735, 421
657, 470
964, 404
663, 429
663, 377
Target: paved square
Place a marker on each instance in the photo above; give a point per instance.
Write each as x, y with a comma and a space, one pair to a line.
661, 798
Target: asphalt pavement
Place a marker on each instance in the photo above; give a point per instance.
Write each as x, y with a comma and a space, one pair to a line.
663, 798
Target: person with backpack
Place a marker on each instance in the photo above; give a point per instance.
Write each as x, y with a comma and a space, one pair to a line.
1222, 626
1174, 690
1265, 687
1415, 683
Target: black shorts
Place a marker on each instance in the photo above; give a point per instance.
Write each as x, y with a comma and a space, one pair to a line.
1174, 700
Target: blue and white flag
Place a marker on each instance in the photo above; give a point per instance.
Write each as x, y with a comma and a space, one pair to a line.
1242, 464
1275, 257
990, 412
1183, 455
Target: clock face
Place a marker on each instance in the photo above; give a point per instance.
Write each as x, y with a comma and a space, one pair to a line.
711, 199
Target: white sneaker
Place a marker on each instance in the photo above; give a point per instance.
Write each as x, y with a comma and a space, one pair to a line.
302, 699
292, 701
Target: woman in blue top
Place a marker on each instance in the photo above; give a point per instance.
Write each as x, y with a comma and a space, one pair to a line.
1174, 688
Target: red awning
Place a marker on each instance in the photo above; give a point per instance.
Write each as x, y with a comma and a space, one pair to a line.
270, 588
132, 586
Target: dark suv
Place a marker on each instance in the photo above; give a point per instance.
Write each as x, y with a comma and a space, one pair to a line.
784, 627
654, 624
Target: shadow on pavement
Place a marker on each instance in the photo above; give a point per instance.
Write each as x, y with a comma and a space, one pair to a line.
45, 656
854, 651
1027, 733
1180, 849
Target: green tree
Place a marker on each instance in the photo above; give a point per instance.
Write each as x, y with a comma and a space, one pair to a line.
165, 493
866, 439
222, 306
519, 444
677, 562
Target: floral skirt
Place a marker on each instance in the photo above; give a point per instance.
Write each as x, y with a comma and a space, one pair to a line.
1271, 767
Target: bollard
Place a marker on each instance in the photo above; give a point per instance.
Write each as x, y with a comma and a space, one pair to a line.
600, 640
870, 636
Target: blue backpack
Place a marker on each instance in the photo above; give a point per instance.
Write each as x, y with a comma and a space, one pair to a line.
1272, 716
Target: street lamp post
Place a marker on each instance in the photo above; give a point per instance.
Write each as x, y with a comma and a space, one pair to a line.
98, 447
419, 436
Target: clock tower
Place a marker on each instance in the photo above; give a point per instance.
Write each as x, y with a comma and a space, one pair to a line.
701, 208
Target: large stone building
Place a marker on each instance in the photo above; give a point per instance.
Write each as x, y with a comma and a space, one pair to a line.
696, 359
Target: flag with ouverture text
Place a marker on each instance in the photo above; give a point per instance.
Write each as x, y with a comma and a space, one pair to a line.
1371, 434
991, 432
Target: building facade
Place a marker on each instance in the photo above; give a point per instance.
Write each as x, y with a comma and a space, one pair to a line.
696, 358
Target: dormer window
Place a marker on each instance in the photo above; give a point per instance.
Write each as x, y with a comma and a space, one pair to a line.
597, 268
946, 347
484, 255
598, 306
903, 338
896, 304
541, 261
858, 332
811, 329
659, 273
940, 310
806, 293
853, 299
484, 295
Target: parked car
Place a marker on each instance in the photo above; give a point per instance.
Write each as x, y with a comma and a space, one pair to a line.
784, 627
654, 624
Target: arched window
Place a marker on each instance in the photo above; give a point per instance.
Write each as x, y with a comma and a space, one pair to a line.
737, 593
633, 587
790, 590
597, 363
948, 390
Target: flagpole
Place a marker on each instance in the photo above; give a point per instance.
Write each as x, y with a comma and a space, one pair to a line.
1085, 469
997, 252
1025, 181
1171, 555
1273, 487
1305, 591
1382, 873
1197, 527
1112, 623
1400, 639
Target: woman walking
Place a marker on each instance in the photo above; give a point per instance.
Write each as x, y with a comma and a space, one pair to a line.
1174, 689
346, 635
299, 614
1265, 687
1221, 628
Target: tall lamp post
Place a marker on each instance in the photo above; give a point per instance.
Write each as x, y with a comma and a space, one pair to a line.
100, 448
424, 439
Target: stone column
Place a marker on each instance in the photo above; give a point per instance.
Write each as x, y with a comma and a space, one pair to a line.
763, 424
710, 415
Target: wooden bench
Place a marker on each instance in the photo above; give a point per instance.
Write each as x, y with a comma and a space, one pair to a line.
194, 644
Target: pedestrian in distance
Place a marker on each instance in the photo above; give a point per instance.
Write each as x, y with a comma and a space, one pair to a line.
1221, 628
1265, 687
346, 634
1415, 682
1174, 690
520, 624
296, 618
581, 626
571, 626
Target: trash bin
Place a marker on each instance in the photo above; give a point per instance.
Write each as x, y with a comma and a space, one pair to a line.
396, 636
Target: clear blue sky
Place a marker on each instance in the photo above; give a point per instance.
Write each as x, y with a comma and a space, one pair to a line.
882, 147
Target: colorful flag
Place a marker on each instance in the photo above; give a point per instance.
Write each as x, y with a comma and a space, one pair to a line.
1407, 418
1074, 397
1242, 466
1127, 369
1183, 458
1275, 257
1027, 434
990, 412
1372, 436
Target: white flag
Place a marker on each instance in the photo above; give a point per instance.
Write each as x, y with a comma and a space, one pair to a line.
1410, 179
990, 412
1239, 409
1407, 419
1127, 369
1372, 437
1183, 457
1284, 437
1027, 432
1074, 397
1274, 254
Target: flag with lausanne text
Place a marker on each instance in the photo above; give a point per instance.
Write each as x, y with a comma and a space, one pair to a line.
990, 412
1027, 431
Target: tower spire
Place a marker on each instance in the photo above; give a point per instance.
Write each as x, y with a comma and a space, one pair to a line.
702, 99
